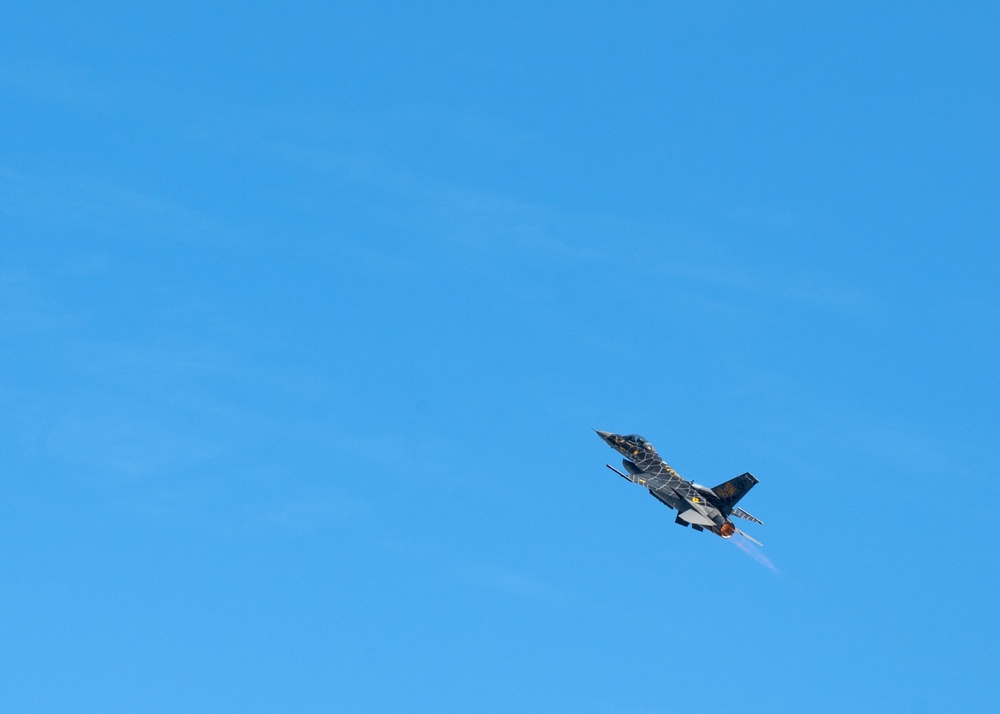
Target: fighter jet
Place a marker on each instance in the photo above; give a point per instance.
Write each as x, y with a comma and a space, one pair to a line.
697, 506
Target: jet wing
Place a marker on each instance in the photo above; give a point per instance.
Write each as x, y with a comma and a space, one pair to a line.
634, 478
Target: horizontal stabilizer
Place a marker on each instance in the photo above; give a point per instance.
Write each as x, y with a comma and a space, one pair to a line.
740, 513
692, 516
754, 540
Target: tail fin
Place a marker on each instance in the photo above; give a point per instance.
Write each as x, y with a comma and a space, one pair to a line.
730, 492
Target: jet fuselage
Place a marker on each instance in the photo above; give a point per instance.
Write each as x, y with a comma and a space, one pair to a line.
701, 507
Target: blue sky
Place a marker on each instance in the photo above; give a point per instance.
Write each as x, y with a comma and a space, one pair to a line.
306, 315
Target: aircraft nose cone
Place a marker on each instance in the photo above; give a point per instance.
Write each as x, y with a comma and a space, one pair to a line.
604, 434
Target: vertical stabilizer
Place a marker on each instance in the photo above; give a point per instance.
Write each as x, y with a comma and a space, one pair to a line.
730, 492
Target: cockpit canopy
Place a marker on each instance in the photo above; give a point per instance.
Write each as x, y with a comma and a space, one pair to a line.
636, 439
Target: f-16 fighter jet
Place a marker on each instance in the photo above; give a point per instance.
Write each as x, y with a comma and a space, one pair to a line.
700, 507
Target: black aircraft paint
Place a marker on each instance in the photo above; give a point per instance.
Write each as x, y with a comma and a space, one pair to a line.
698, 506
